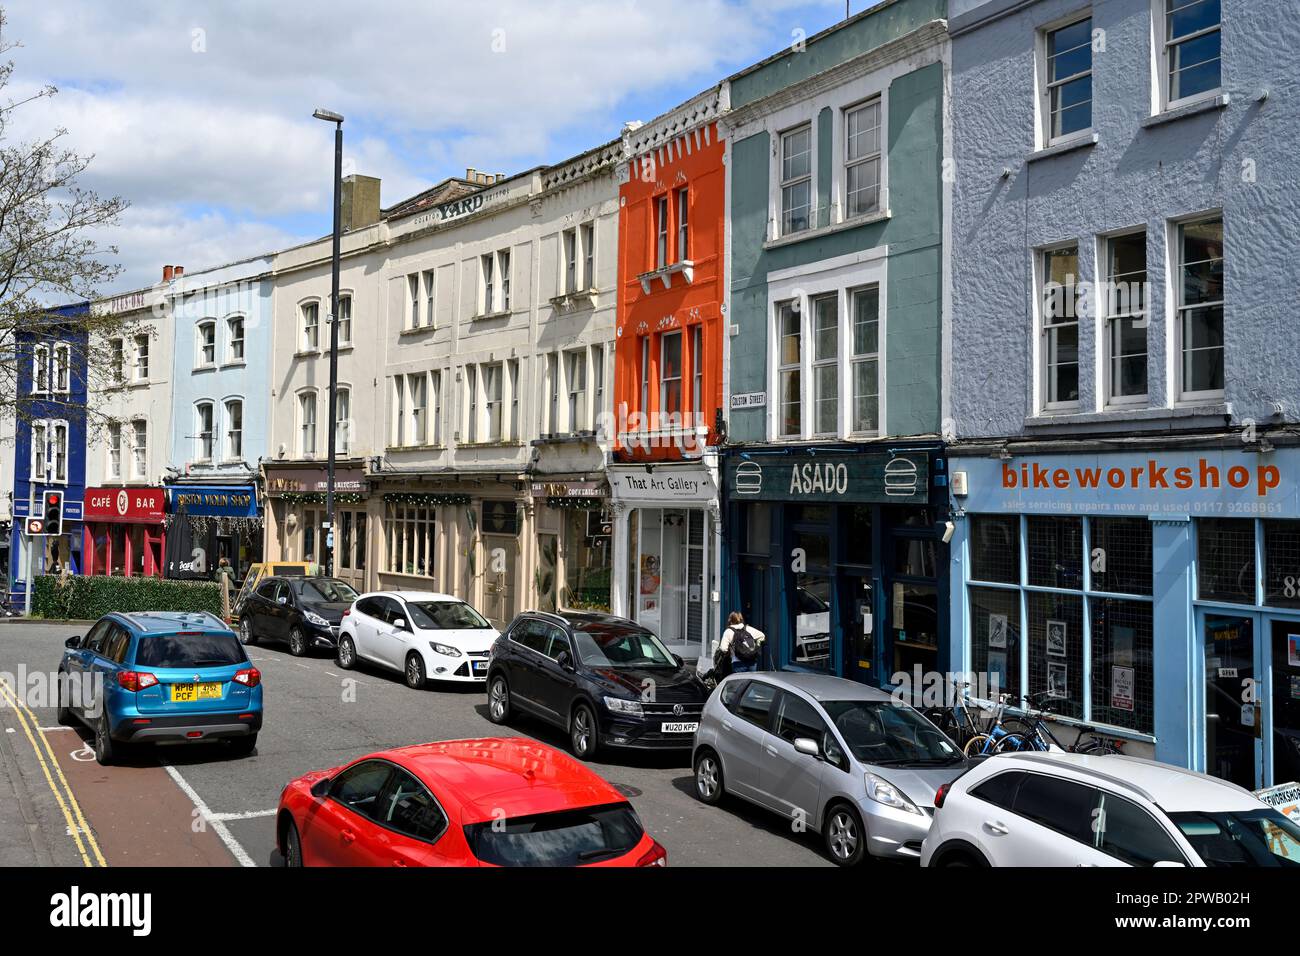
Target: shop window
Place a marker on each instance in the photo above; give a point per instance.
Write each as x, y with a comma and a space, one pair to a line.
1123, 672
1120, 556
1282, 563
916, 557
810, 514
814, 548
1056, 651
855, 527
1225, 560
995, 638
758, 529
908, 516
586, 560
995, 548
1055, 552
812, 621
411, 539
362, 541
914, 617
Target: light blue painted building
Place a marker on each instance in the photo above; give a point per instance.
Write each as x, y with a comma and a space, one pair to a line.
219, 420
1123, 385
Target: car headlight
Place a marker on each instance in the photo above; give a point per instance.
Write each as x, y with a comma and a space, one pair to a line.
313, 618
620, 706
882, 791
446, 650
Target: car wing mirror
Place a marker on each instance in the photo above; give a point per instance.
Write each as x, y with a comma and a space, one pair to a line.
1170, 863
399, 623
806, 745
564, 660
73, 642
321, 787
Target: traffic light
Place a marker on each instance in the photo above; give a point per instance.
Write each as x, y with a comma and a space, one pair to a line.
52, 510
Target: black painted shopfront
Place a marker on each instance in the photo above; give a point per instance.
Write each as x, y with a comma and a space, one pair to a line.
836, 553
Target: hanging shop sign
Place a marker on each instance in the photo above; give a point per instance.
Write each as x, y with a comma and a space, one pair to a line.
135, 505
306, 481
570, 489
663, 483
902, 478
213, 501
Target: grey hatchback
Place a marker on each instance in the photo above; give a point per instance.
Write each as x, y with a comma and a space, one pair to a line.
839, 757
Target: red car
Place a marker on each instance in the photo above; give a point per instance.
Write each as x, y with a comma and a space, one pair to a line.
493, 802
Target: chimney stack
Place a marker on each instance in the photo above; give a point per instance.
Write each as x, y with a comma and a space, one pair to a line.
359, 202
180, 271
168, 272
471, 174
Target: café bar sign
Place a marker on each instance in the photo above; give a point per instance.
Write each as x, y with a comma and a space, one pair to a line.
862, 476
142, 505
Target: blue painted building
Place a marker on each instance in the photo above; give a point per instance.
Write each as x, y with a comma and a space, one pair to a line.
50, 442
1122, 371
219, 424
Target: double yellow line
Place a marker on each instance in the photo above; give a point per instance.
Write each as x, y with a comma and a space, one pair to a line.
87, 846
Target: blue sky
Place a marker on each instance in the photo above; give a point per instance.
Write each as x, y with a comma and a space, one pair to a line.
200, 114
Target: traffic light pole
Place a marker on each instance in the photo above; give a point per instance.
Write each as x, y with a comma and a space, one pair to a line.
31, 511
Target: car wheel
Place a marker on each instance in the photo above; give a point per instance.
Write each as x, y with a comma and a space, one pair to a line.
64, 714
104, 750
244, 746
414, 671
297, 643
346, 655
292, 845
498, 699
246, 635
846, 839
708, 778
962, 858
583, 733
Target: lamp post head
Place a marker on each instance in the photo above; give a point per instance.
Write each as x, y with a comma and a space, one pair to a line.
328, 116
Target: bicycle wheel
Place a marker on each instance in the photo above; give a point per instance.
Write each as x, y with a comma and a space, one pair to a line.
1096, 748
1021, 728
975, 745
1012, 743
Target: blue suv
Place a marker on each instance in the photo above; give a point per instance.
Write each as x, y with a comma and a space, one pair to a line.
160, 677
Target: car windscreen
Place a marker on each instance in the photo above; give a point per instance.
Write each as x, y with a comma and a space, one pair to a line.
1243, 838
890, 734
567, 838
618, 645
191, 649
445, 616
324, 590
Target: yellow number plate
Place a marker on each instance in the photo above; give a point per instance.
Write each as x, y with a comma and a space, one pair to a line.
188, 692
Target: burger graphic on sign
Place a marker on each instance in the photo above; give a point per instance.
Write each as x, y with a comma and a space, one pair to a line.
900, 478
749, 478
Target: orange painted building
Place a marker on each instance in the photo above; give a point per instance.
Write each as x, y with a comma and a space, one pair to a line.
668, 374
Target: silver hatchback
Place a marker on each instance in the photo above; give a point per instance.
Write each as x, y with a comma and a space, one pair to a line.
831, 755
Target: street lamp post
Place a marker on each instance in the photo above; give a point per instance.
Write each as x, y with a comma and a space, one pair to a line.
337, 119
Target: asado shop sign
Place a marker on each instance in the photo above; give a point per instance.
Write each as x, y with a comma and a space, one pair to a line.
864, 476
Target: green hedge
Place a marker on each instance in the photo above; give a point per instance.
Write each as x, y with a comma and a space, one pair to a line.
88, 598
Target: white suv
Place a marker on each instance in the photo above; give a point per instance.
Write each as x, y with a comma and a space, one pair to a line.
1066, 809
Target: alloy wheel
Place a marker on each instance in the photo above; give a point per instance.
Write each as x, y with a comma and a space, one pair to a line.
245, 632
706, 778
844, 835
297, 643
582, 731
497, 698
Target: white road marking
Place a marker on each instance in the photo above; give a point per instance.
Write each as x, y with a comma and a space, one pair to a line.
47, 730
218, 826
246, 815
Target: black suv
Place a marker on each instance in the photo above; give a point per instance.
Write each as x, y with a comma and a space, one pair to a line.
303, 612
606, 680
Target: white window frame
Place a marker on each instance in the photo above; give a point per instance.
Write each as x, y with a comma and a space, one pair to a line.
1109, 313
512, 383
201, 345
417, 391
302, 397
645, 382
41, 383
851, 162
399, 411
597, 387
430, 280
113, 463
471, 404
696, 407
202, 454
575, 386
662, 225
1045, 85
854, 358
587, 233
140, 366
570, 255
117, 361
1042, 331
783, 311
233, 444
309, 332
493, 376
1175, 297
487, 283
835, 362
61, 370
784, 228
139, 449
412, 320
435, 406
503, 277
60, 450
342, 419
682, 208
235, 328
801, 284
344, 319
1161, 45
40, 439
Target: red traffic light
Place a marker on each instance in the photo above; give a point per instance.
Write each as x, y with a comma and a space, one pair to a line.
52, 497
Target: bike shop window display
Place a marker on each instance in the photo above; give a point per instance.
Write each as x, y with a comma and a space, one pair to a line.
1062, 606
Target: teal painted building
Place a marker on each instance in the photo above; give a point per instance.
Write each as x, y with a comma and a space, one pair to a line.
835, 481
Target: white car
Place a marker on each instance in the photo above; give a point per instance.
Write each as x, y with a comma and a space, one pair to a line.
1066, 809
424, 635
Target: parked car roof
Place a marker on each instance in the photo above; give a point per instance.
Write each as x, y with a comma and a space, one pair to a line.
169, 622
414, 595
509, 775
822, 687
576, 618
1174, 789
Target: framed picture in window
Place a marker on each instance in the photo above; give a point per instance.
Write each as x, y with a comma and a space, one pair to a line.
1056, 638
1058, 680
998, 631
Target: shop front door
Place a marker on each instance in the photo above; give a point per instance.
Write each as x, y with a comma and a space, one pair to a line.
1284, 701
1233, 716
857, 626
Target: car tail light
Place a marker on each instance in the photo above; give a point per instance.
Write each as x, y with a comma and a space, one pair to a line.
250, 677
136, 680
347, 611
940, 794
655, 856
